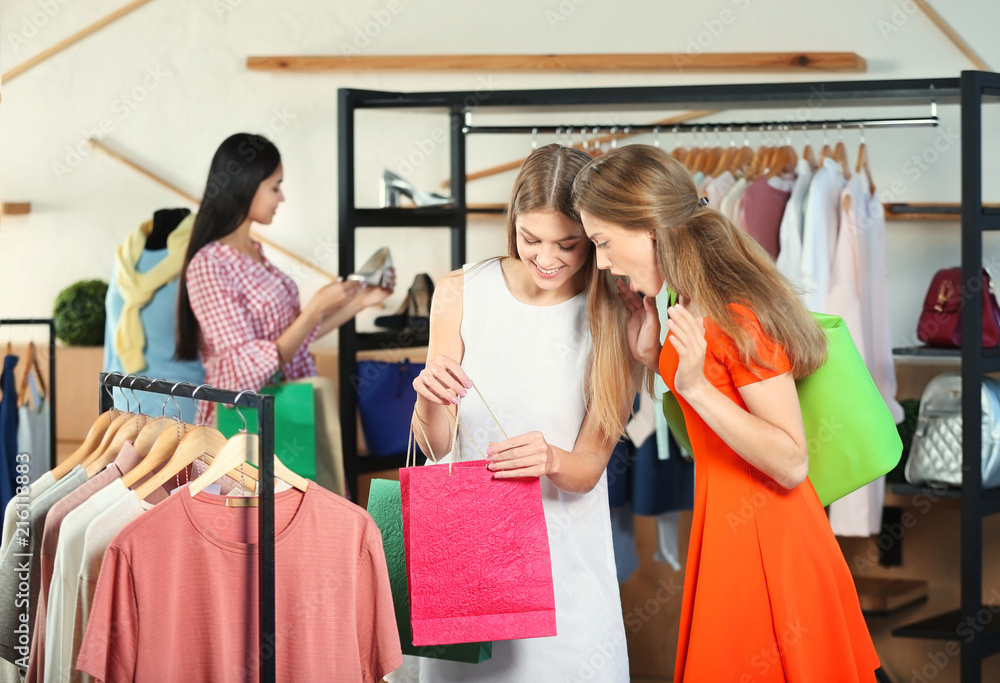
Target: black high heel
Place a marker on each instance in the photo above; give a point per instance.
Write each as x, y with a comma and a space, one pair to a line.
415, 311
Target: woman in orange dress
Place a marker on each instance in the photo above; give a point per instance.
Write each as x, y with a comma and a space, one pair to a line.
768, 596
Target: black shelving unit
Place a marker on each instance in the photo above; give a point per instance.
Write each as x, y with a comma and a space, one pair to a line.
969, 93
264, 405
51, 398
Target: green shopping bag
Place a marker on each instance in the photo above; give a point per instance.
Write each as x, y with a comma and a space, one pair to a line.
294, 425
385, 507
851, 434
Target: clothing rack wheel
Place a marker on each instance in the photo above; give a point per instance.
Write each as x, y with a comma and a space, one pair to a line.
265, 406
51, 324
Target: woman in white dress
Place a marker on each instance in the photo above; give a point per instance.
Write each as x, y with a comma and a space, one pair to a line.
517, 326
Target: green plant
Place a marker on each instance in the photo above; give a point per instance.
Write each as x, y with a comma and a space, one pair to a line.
79, 313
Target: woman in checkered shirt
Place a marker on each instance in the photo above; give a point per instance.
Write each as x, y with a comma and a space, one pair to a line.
234, 305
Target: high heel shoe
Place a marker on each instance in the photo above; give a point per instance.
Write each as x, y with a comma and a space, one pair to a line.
415, 311
375, 272
394, 186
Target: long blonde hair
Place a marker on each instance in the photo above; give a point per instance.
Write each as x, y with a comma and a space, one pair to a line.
545, 183
699, 252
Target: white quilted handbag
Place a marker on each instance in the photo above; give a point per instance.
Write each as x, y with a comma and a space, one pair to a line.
936, 452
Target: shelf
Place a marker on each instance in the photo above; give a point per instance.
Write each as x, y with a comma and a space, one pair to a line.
880, 597
949, 626
939, 211
990, 359
576, 63
376, 463
926, 491
377, 341
990, 497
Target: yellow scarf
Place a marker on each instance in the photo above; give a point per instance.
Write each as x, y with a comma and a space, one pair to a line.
138, 288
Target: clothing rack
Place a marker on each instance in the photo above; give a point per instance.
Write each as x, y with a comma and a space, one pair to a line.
265, 407
51, 324
968, 93
745, 127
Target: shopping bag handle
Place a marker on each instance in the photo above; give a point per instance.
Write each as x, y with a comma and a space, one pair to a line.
411, 450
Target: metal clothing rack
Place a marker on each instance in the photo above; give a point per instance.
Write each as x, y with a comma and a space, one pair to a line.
265, 538
969, 93
51, 324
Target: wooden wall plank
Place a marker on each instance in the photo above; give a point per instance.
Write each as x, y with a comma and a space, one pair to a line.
680, 61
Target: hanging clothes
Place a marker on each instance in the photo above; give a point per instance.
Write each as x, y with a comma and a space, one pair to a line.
859, 295
732, 203
718, 188
789, 261
8, 429
821, 221
33, 431
141, 305
125, 461
12, 608
764, 205
333, 605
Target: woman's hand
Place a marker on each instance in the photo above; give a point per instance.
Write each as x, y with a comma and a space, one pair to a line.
333, 297
370, 296
442, 381
687, 334
642, 327
527, 455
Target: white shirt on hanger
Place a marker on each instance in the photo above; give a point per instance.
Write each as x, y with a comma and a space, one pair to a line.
821, 221
790, 233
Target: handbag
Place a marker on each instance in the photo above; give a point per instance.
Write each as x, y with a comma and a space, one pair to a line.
851, 435
385, 401
936, 450
940, 322
294, 424
386, 508
477, 553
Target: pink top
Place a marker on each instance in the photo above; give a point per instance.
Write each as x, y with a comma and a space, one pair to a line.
242, 307
177, 595
763, 209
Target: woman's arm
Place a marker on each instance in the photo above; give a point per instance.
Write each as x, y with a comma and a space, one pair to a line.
770, 436
576, 471
442, 381
366, 296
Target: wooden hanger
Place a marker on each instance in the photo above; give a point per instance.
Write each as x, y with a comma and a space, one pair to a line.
90, 443
196, 443
128, 432
30, 365
148, 435
109, 436
840, 156
810, 156
741, 161
785, 161
863, 163
242, 448
160, 452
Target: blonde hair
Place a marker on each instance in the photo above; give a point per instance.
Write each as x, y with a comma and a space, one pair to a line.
545, 183
699, 252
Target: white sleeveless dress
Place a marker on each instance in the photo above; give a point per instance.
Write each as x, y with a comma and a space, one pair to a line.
530, 362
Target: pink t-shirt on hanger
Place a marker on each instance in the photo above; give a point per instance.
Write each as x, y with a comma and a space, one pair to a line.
177, 596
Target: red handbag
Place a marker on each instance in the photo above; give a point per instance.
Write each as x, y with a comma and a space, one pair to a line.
940, 321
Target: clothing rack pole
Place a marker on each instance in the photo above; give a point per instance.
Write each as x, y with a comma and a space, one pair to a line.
754, 126
265, 411
51, 324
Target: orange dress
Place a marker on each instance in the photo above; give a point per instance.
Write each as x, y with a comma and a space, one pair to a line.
768, 596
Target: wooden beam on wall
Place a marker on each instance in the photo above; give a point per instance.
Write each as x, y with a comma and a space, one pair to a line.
516, 164
76, 37
584, 63
953, 36
15, 208
194, 200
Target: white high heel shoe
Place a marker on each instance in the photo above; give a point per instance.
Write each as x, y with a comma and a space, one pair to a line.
375, 271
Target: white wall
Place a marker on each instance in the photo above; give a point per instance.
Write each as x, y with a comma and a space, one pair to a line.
168, 83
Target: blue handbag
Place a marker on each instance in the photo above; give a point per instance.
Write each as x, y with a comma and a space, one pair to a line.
385, 401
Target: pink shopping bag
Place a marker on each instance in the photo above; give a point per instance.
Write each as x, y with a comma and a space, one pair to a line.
477, 555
